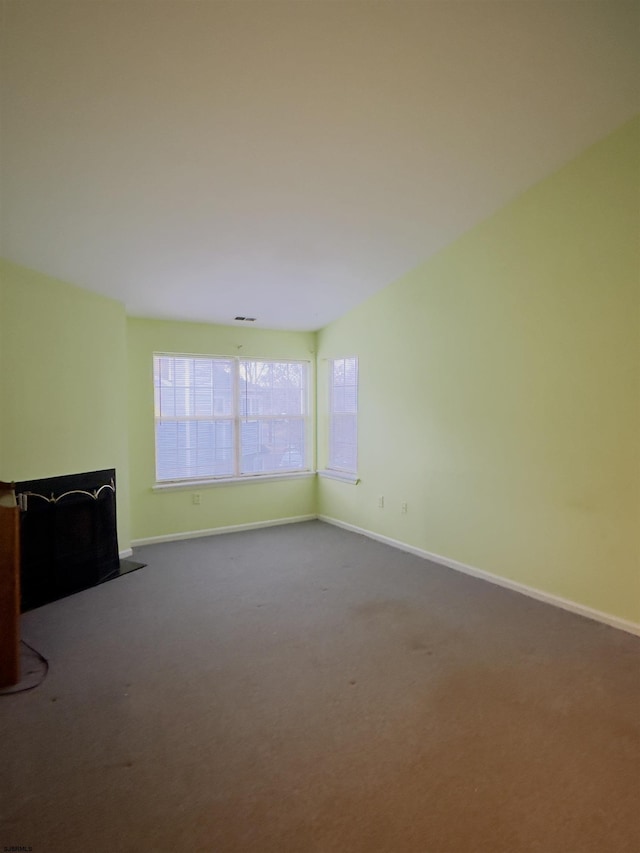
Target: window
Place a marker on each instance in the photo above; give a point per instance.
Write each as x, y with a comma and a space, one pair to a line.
229, 417
343, 415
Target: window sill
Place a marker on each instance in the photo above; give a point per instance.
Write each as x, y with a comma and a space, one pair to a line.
342, 476
177, 485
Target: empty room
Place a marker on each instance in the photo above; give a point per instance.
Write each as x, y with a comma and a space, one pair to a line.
320, 426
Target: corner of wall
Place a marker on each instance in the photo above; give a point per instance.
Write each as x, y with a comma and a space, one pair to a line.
499, 391
63, 382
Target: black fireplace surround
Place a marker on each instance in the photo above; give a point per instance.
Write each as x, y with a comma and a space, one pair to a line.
68, 535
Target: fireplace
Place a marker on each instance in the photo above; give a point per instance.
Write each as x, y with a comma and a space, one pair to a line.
68, 535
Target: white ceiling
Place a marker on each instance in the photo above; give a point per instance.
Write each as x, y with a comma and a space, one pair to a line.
285, 160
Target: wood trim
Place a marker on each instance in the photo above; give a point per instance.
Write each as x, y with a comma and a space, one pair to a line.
9, 596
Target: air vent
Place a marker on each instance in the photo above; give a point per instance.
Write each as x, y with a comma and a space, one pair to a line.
246, 319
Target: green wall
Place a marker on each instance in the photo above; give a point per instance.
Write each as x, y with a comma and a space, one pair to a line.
166, 512
62, 382
500, 391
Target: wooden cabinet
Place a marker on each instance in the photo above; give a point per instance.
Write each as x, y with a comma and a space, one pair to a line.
9, 595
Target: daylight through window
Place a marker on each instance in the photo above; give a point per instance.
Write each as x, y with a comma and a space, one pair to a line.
343, 415
229, 417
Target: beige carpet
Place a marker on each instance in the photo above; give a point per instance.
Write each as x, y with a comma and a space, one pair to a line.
304, 689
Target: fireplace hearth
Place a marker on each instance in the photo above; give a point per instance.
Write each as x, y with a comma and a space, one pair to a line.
68, 535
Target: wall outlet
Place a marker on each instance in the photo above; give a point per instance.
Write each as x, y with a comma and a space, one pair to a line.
195, 499
403, 506
381, 501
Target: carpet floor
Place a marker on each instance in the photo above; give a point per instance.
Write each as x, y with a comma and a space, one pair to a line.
303, 689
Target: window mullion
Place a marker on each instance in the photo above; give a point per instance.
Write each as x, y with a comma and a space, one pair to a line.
236, 417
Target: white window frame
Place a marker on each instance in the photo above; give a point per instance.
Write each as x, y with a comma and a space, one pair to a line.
237, 418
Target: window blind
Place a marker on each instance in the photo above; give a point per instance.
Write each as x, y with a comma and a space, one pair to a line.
343, 415
229, 417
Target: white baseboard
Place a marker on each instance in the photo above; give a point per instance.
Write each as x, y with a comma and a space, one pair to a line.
546, 597
214, 531
128, 552
515, 586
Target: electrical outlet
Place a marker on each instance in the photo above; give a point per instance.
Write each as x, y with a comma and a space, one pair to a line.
403, 506
195, 499
381, 501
